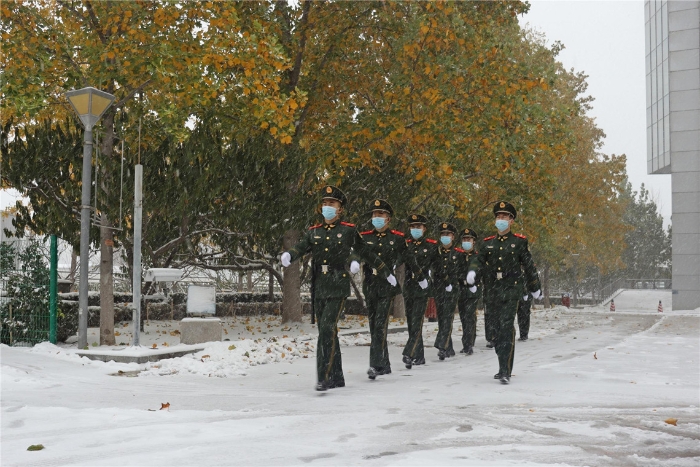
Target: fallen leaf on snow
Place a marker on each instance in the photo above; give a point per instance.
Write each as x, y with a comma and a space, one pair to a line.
154, 346
594, 355
165, 406
35, 447
672, 421
205, 356
231, 347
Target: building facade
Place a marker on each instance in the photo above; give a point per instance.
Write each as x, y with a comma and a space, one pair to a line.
673, 130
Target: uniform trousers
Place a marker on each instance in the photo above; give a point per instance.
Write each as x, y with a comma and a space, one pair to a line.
467, 315
505, 310
329, 365
446, 302
524, 317
415, 314
378, 309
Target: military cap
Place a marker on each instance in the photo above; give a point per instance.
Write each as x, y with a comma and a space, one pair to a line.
504, 207
331, 192
447, 227
417, 219
469, 233
381, 205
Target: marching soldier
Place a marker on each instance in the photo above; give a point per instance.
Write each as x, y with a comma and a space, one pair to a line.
523, 313
505, 264
390, 246
421, 251
446, 274
331, 245
468, 296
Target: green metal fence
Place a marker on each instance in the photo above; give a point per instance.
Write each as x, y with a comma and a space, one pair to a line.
28, 291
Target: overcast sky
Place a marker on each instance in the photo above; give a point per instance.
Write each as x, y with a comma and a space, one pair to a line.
605, 39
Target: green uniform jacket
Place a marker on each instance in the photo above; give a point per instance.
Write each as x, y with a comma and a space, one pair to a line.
468, 258
505, 264
421, 254
446, 268
331, 246
390, 247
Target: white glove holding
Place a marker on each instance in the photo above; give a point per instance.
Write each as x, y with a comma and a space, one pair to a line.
472, 289
536, 294
448, 288
354, 267
423, 284
391, 279
471, 275
525, 298
286, 259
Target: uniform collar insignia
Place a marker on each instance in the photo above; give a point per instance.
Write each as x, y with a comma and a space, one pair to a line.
328, 226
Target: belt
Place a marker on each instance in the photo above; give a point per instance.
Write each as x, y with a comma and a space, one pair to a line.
326, 268
368, 271
504, 275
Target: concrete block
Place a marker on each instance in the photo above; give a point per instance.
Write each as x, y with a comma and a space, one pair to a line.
677, 5
200, 330
683, 40
684, 80
686, 202
682, 282
686, 222
686, 299
686, 265
685, 182
686, 19
686, 244
687, 120
684, 60
687, 161
685, 140
685, 100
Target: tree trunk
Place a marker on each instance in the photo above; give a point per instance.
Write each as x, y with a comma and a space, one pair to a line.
399, 308
73, 268
240, 282
250, 281
291, 287
106, 283
271, 287
545, 286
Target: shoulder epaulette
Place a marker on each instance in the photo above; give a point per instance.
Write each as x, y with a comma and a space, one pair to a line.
520, 236
398, 232
490, 238
366, 232
347, 224
430, 240
460, 250
315, 226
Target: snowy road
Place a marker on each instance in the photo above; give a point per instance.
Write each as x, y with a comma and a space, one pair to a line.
589, 388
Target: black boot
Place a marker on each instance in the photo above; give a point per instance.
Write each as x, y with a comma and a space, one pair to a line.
384, 371
504, 379
451, 352
490, 345
497, 375
419, 361
523, 338
442, 354
372, 373
469, 351
407, 361
321, 386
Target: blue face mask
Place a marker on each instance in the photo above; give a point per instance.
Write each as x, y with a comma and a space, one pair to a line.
329, 212
467, 245
378, 222
501, 224
416, 233
445, 240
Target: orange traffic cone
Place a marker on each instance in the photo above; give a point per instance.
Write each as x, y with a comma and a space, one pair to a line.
612, 305
661, 307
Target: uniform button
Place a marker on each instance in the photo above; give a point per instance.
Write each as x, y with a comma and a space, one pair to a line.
324, 260
516, 282
328, 238
500, 257
326, 249
499, 269
501, 248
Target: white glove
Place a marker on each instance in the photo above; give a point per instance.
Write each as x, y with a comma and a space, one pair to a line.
536, 294
286, 259
471, 275
472, 289
448, 288
525, 298
354, 267
391, 279
423, 284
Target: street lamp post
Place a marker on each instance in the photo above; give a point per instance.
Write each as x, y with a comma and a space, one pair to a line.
575, 255
90, 104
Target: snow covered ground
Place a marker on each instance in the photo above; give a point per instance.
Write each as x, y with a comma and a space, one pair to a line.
590, 387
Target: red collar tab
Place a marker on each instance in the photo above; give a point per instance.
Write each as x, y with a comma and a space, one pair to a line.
397, 232
460, 250
430, 240
520, 236
490, 238
367, 232
315, 226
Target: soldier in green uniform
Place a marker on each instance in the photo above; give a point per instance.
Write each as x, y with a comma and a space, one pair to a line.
421, 251
523, 313
468, 295
446, 275
390, 246
331, 245
505, 264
